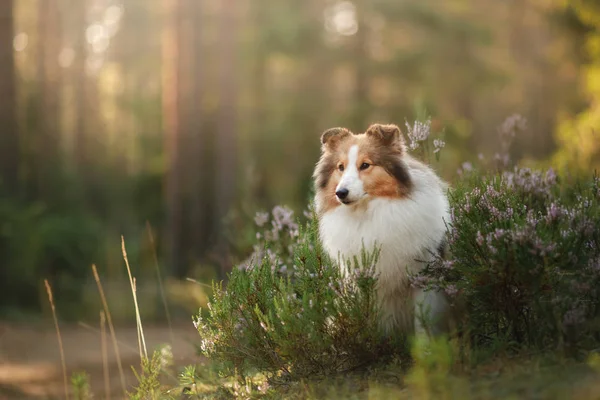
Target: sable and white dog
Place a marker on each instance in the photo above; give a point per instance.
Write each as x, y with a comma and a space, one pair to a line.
371, 192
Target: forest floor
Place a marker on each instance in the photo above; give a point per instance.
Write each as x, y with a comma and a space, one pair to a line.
30, 369
30, 365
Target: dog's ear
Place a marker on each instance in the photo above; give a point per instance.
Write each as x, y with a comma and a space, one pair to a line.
331, 137
389, 135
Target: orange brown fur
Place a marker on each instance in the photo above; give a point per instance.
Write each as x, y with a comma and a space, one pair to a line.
381, 146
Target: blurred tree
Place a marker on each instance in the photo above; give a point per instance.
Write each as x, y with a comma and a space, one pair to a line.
82, 141
47, 138
579, 135
199, 221
361, 60
257, 109
171, 64
226, 143
197, 114
9, 137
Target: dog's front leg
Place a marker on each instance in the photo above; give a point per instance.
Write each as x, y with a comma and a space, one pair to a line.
431, 312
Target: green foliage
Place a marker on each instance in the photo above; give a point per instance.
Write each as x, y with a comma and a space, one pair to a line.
301, 319
429, 376
189, 379
149, 386
37, 242
578, 134
524, 260
80, 382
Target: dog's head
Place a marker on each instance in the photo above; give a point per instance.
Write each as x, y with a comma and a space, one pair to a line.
354, 168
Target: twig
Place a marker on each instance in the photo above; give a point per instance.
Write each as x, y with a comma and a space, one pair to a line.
198, 282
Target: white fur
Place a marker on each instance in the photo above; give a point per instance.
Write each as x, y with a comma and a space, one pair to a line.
351, 179
406, 230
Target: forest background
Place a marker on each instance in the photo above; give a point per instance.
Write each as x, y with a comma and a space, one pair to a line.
172, 122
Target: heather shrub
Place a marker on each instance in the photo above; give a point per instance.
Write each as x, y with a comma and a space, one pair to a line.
524, 260
290, 314
522, 269
523, 255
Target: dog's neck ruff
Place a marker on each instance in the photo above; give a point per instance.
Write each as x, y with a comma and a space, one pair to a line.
405, 230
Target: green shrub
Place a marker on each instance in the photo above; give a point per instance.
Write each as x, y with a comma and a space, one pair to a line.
524, 259
522, 270
37, 242
294, 316
80, 384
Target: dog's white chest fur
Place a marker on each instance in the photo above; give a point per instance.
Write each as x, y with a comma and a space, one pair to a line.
407, 231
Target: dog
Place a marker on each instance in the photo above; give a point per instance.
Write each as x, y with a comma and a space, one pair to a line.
371, 194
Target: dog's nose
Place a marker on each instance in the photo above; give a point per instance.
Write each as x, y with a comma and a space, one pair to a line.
342, 194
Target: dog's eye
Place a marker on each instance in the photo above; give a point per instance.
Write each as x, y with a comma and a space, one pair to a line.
364, 166
341, 167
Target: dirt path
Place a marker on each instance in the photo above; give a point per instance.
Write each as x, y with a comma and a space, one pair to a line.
30, 361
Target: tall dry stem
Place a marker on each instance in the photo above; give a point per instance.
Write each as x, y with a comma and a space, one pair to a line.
104, 355
160, 283
60, 344
138, 319
111, 327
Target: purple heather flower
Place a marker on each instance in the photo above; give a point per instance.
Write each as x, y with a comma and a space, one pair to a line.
479, 239
512, 124
554, 212
451, 290
499, 234
503, 159
419, 132
419, 281
261, 218
551, 177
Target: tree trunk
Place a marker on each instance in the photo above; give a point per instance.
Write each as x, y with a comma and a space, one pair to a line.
81, 140
9, 137
48, 138
259, 106
226, 125
361, 59
199, 231
171, 122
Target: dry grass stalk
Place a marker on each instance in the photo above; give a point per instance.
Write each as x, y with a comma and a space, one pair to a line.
111, 327
60, 344
104, 355
160, 283
138, 319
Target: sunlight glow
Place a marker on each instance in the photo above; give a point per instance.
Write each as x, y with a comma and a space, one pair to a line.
95, 33
93, 64
112, 19
101, 45
113, 15
20, 41
66, 57
340, 18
